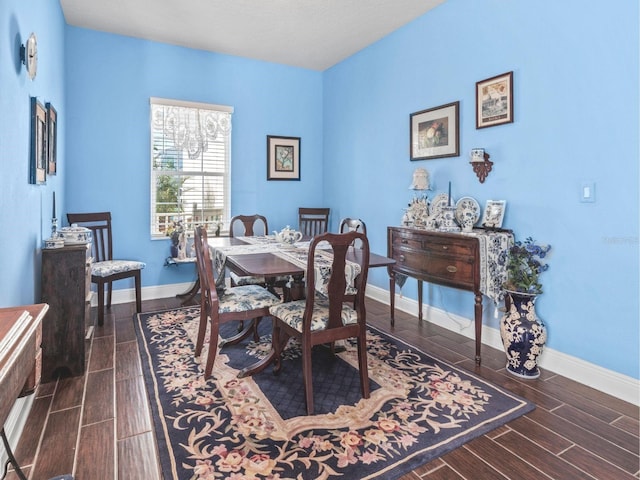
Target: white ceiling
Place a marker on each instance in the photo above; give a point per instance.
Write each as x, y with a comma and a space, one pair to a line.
314, 34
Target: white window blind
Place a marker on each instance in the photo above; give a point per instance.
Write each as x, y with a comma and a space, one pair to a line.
190, 165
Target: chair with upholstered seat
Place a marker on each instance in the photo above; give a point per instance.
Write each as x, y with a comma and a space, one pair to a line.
248, 302
105, 269
247, 226
325, 317
313, 221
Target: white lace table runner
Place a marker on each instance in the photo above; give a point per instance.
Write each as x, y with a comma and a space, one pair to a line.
297, 254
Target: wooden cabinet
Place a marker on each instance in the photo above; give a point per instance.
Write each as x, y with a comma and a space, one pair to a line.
449, 259
66, 287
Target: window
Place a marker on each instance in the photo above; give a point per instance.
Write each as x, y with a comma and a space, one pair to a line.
190, 165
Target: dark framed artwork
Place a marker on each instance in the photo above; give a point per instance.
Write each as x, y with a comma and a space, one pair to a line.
52, 140
494, 101
435, 132
283, 158
38, 160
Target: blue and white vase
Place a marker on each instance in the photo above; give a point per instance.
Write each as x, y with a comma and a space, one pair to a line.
523, 334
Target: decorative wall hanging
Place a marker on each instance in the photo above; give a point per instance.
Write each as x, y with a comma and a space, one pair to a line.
494, 101
480, 163
38, 160
434, 133
283, 158
52, 140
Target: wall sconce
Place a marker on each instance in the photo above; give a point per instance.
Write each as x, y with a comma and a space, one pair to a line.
480, 163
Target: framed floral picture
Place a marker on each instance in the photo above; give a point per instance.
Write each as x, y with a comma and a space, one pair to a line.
283, 158
494, 101
52, 140
38, 154
493, 213
435, 132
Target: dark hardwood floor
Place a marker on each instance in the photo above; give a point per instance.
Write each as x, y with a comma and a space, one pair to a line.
98, 426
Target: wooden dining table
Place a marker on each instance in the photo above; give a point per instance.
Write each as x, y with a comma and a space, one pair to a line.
271, 266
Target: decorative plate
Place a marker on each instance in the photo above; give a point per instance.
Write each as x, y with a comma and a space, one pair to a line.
441, 200
467, 208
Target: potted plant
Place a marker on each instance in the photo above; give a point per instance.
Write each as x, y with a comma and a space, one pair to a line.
523, 333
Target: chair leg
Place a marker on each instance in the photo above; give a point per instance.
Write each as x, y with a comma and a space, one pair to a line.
277, 347
362, 365
213, 349
202, 327
308, 379
100, 304
109, 290
138, 292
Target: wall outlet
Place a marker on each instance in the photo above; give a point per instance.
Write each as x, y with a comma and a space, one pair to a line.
588, 192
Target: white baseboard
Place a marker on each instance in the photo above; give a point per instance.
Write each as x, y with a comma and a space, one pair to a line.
608, 381
15, 424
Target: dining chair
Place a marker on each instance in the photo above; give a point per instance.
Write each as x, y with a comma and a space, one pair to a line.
313, 221
247, 302
247, 226
105, 269
353, 225
326, 318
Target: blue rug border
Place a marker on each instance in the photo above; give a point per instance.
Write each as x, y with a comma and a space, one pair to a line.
393, 471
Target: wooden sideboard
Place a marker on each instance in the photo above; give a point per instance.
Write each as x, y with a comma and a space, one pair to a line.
448, 259
66, 287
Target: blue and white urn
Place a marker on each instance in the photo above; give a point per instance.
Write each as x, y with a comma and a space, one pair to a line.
523, 335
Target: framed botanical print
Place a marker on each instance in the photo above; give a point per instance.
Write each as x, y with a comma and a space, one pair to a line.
435, 132
283, 158
52, 140
38, 154
494, 101
493, 213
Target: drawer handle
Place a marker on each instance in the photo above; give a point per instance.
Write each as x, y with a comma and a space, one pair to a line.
401, 258
405, 241
444, 247
452, 269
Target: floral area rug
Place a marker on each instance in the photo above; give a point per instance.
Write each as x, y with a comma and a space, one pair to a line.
257, 427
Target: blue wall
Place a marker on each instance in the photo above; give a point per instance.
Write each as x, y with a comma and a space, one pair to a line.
576, 119
25, 210
108, 89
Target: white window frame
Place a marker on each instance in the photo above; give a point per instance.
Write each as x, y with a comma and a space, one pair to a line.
215, 220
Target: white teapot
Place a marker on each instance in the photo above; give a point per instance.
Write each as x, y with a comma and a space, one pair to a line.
288, 235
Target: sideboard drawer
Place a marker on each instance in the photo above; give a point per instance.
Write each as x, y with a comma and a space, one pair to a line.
451, 270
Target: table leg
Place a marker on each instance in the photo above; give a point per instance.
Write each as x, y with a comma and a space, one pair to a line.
12, 460
189, 294
478, 320
392, 296
420, 300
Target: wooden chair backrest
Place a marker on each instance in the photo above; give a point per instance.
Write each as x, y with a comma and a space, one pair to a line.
209, 296
313, 221
340, 245
248, 225
100, 225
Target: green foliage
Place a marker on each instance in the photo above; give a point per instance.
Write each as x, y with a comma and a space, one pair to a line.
525, 266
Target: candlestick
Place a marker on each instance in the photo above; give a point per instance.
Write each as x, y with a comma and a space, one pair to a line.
54, 205
449, 193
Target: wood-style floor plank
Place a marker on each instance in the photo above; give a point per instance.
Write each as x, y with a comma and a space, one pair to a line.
133, 410
96, 452
102, 353
127, 360
98, 403
137, 458
57, 450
